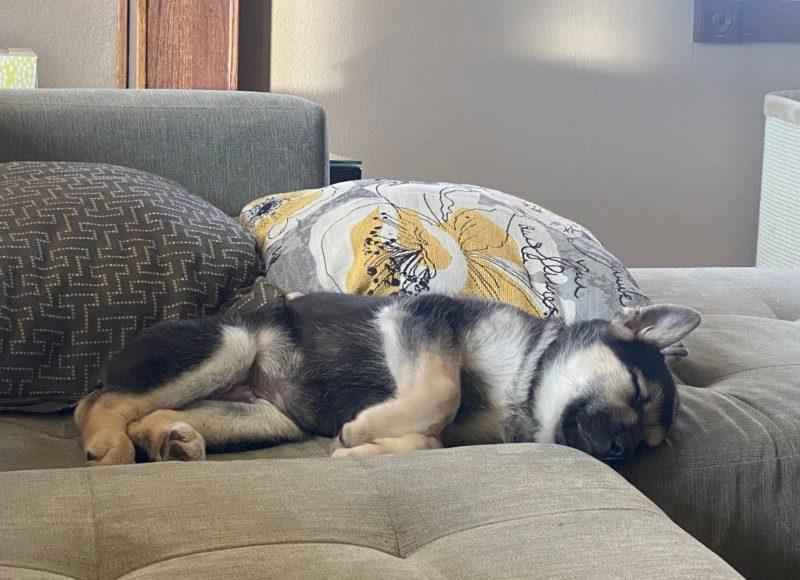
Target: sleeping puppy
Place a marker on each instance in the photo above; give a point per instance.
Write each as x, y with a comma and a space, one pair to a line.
387, 375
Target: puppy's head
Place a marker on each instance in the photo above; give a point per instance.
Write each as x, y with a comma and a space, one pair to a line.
607, 390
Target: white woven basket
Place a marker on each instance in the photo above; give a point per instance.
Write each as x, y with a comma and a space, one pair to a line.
779, 221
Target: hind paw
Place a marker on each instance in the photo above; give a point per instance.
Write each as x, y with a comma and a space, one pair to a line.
164, 437
181, 442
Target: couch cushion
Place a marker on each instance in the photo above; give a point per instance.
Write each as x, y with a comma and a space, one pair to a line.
89, 255
730, 473
512, 511
36, 441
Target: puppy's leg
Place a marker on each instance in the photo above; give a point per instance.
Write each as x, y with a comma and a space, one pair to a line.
385, 445
426, 400
103, 417
183, 434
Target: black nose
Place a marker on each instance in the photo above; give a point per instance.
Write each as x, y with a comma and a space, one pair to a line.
604, 436
618, 447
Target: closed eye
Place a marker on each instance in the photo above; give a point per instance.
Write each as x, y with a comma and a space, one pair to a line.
640, 400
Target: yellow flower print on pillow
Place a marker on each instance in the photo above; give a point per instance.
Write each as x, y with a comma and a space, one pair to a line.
493, 259
385, 264
410, 256
269, 213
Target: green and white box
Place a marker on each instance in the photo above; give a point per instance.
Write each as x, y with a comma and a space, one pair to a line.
17, 68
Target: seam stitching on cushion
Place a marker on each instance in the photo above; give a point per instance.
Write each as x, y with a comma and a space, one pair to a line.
90, 486
726, 375
256, 545
18, 567
385, 505
764, 416
672, 472
752, 294
658, 513
654, 512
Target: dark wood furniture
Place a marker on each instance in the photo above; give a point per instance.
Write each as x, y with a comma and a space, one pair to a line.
194, 44
343, 168
187, 44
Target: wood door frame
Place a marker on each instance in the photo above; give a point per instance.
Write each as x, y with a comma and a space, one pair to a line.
122, 45
233, 46
140, 79
140, 76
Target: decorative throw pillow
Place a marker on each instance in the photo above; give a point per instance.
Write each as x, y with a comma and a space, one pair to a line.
385, 237
91, 254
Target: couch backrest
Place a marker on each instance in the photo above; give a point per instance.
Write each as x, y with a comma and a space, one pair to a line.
227, 147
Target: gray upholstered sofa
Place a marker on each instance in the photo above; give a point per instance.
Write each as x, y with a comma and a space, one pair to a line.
729, 477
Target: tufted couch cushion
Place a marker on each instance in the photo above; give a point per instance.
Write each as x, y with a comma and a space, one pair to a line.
730, 474
473, 512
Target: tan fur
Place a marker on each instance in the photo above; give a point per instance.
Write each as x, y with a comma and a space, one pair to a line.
654, 434
103, 419
386, 445
425, 403
103, 422
216, 423
164, 438
619, 324
483, 428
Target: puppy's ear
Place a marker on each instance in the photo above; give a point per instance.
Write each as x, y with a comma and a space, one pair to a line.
661, 325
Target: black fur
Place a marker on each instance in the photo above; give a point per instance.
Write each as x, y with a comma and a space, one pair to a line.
344, 370
161, 353
344, 367
584, 424
650, 361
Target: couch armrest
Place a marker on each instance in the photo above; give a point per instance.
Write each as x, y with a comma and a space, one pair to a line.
227, 147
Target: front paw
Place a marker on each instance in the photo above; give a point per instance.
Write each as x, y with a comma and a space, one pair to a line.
353, 434
341, 452
337, 443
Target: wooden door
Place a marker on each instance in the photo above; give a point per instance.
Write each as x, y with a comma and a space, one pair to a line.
183, 44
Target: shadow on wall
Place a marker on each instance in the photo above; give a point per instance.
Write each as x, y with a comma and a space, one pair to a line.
608, 115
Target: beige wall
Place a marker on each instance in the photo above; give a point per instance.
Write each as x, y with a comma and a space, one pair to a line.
76, 40
602, 110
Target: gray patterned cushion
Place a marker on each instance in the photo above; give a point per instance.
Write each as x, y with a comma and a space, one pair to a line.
89, 255
385, 237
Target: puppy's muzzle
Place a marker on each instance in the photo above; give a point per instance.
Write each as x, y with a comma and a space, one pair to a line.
599, 434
